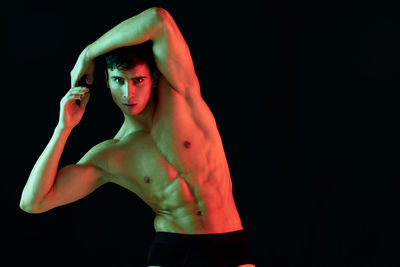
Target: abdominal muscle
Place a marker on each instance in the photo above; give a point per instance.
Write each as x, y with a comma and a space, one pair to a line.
195, 213
184, 222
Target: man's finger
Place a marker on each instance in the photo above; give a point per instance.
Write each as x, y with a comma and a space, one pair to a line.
85, 100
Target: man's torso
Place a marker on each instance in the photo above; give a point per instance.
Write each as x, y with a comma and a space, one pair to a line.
178, 167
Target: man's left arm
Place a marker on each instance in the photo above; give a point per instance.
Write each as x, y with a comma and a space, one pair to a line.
170, 50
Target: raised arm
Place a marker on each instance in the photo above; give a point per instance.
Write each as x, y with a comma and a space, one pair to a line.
170, 50
47, 186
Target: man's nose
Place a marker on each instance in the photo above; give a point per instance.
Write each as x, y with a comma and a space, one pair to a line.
129, 90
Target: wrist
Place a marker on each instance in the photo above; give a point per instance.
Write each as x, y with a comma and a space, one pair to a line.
88, 53
61, 128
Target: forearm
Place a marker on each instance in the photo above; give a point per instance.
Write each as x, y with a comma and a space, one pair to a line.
44, 172
135, 30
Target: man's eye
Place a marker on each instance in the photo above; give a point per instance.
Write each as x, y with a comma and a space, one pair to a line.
119, 81
138, 80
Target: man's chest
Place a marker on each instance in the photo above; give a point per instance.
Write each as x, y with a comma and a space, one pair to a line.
182, 126
183, 141
140, 162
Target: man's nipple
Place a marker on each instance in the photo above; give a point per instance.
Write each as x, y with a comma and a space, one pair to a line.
187, 144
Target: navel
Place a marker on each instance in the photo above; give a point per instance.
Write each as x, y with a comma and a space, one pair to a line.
187, 144
146, 179
199, 212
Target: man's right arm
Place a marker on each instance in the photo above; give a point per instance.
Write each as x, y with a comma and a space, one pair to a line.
43, 174
47, 187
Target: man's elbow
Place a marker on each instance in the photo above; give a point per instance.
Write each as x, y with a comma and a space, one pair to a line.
163, 15
26, 207
29, 207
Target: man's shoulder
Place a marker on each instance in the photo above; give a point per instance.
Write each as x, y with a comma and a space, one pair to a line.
99, 153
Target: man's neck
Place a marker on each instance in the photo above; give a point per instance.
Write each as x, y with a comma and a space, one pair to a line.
135, 124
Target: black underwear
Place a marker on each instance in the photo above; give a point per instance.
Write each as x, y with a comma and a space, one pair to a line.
205, 250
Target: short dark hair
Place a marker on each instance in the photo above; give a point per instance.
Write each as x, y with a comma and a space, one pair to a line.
127, 57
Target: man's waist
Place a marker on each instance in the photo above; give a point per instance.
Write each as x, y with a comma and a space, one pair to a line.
198, 224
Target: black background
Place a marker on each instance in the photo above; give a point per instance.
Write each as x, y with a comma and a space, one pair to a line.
304, 97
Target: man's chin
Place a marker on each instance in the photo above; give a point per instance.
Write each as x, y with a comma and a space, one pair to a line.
132, 112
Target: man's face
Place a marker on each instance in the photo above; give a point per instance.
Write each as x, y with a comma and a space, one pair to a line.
130, 89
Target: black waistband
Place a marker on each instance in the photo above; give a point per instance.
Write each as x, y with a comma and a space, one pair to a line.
200, 239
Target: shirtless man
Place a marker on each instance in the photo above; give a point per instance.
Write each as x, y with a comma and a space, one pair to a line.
168, 151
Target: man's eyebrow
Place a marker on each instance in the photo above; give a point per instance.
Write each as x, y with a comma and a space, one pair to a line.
134, 77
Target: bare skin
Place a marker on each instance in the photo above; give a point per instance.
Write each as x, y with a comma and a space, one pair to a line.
168, 152
174, 161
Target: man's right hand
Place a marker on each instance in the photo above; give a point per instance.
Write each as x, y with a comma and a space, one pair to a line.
71, 111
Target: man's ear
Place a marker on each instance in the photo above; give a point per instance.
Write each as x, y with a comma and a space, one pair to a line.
106, 76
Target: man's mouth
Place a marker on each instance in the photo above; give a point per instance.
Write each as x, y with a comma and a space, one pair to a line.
128, 105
